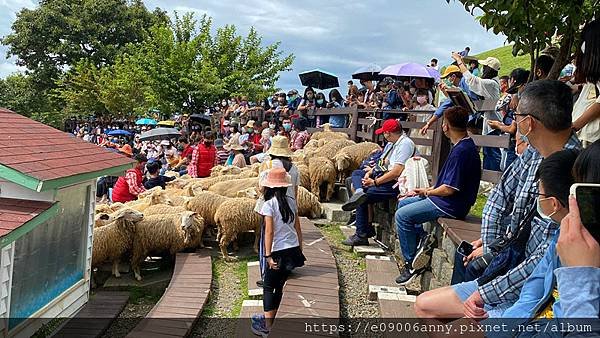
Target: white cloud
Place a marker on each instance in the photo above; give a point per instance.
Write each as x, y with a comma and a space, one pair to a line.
8, 68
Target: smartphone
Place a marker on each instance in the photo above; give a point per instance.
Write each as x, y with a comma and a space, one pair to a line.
464, 249
588, 199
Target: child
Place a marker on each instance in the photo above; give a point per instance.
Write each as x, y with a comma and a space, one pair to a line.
282, 249
222, 154
155, 179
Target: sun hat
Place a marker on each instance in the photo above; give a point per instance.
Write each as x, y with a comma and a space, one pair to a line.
266, 132
280, 147
292, 92
389, 126
277, 178
126, 149
449, 70
491, 62
235, 146
250, 124
226, 123
164, 143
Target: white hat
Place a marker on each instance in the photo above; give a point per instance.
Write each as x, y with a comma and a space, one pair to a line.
165, 143
491, 62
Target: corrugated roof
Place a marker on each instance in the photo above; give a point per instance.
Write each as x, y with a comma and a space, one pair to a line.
15, 212
45, 153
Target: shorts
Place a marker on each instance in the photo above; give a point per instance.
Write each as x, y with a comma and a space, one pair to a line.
466, 289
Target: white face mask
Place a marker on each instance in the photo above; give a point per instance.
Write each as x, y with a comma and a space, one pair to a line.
541, 212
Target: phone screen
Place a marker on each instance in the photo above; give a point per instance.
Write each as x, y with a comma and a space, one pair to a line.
465, 248
588, 199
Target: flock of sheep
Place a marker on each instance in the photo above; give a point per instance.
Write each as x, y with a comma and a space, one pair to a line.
174, 219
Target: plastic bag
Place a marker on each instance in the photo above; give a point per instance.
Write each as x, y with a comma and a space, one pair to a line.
415, 175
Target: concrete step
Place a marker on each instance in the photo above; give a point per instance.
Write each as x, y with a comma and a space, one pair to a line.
394, 305
253, 276
334, 212
372, 249
381, 275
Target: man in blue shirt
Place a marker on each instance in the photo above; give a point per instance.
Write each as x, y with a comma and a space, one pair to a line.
293, 101
452, 196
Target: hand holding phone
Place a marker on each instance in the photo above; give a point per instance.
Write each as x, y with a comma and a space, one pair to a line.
465, 249
587, 196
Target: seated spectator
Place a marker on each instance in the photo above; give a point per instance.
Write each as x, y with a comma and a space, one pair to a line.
265, 140
156, 179
423, 100
321, 103
286, 128
221, 154
300, 136
253, 141
128, 187
391, 99
280, 111
543, 118
204, 157
586, 112
376, 184
452, 196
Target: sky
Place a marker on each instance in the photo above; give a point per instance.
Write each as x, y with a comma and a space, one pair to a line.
336, 36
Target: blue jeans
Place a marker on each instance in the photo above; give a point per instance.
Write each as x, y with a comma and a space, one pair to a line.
492, 156
381, 193
412, 212
357, 176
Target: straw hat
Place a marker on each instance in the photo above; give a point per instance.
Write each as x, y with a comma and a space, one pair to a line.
126, 149
277, 178
280, 147
235, 146
250, 124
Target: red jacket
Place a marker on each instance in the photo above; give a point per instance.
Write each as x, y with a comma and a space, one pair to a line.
122, 191
203, 160
255, 139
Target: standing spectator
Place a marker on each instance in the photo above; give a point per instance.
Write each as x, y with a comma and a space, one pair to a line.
239, 160
543, 64
503, 85
293, 101
352, 89
423, 100
391, 100
128, 187
433, 64
465, 52
474, 67
204, 157
222, 154
321, 103
307, 105
336, 101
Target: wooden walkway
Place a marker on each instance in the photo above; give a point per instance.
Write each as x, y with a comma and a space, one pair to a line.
180, 306
311, 291
96, 316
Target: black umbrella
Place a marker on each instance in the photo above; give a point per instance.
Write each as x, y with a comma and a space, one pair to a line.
319, 79
160, 134
200, 118
367, 73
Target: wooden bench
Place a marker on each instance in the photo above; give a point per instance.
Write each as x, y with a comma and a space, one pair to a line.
180, 306
311, 291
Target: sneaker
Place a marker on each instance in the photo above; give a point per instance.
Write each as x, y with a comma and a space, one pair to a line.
356, 240
259, 283
354, 201
352, 220
423, 255
259, 326
257, 317
407, 275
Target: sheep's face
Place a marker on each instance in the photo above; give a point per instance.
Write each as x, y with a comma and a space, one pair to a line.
342, 161
160, 197
130, 215
189, 225
103, 208
248, 193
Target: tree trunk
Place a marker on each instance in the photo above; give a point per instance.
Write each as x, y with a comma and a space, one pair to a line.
563, 57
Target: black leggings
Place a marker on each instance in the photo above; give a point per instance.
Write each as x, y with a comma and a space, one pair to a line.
273, 287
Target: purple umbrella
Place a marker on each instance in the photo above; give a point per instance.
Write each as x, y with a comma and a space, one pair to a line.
409, 69
434, 73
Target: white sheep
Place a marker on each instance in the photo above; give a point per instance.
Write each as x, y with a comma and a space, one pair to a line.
112, 241
234, 216
350, 158
205, 183
308, 204
329, 149
171, 173
230, 188
157, 234
156, 197
163, 209
205, 204
328, 134
102, 219
304, 175
321, 171
221, 170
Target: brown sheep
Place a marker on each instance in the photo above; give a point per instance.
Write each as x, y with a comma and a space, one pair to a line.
304, 175
221, 170
234, 216
230, 188
329, 134
350, 158
308, 204
330, 149
322, 170
156, 197
205, 204
163, 209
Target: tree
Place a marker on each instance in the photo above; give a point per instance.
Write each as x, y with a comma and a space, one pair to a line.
18, 93
59, 33
532, 24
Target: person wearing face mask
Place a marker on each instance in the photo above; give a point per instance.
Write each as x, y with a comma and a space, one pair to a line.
391, 99
254, 138
287, 128
204, 157
293, 102
307, 105
300, 136
128, 187
452, 77
543, 119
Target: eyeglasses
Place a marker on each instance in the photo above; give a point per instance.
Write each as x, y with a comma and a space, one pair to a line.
539, 194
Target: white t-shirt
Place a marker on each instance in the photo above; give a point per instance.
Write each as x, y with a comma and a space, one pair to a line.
267, 165
284, 234
591, 131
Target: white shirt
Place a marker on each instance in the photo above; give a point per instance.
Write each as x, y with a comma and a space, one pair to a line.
490, 90
268, 165
403, 149
284, 234
591, 131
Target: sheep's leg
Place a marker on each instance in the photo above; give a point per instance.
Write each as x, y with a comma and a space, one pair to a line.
223, 243
236, 245
115, 268
136, 259
315, 189
201, 235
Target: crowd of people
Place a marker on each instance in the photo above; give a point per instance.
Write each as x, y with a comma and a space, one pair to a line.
549, 123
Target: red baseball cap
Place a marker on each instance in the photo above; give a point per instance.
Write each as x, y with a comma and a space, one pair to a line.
389, 126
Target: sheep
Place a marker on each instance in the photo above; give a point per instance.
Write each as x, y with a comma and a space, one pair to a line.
328, 134
330, 149
322, 170
171, 173
299, 156
164, 233
173, 192
312, 144
234, 216
350, 158
163, 209
205, 204
157, 197
304, 175
221, 170
185, 177
230, 188
113, 240
205, 183
102, 219
248, 192
308, 204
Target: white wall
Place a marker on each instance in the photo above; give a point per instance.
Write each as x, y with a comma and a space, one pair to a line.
12, 190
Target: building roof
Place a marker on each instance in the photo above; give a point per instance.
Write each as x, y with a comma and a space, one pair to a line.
14, 213
40, 157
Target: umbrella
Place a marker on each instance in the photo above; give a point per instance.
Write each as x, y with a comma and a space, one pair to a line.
119, 132
160, 134
319, 79
146, 121
409, 69
167, 123
200, 118
367, 73
435, 74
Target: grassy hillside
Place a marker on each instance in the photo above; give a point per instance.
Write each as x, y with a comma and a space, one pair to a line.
507, 60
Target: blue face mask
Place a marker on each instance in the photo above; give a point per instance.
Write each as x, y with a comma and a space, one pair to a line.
523, 136
320, 101
287, 127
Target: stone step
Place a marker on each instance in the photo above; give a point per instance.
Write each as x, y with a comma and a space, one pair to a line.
372, 249
334, 212
395, 305
253, 276
381, 275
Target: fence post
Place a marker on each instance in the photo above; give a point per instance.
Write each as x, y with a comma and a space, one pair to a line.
439, 150
354, 123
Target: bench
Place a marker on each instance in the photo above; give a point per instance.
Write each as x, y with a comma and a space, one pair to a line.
180, 306
311, 291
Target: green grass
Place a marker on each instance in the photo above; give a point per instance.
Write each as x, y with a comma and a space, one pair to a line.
335, 237
138, 295
507, 60
477, 209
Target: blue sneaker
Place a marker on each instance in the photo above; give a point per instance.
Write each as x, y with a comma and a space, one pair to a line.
257, 317
259, 326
